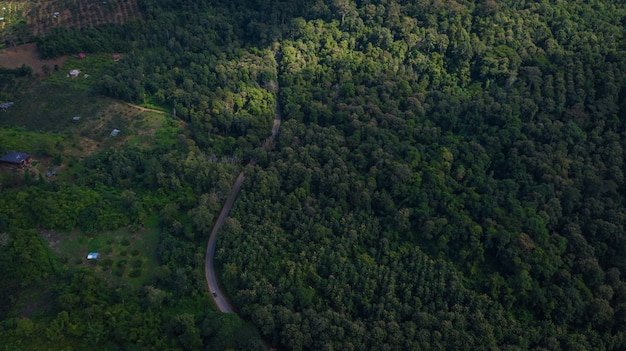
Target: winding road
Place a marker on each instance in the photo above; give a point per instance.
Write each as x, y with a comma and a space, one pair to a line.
221, 300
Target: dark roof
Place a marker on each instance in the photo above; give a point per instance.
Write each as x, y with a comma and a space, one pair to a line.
15, 157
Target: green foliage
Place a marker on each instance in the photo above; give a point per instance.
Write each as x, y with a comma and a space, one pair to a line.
446, 147
103, 38
90, 69
38, 144
448, 175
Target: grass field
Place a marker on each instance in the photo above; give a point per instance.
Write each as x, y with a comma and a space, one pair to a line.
90, 69
41, 123
46, 112
124, 255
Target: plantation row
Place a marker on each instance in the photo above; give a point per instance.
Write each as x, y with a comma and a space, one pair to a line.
80, 14
21, 22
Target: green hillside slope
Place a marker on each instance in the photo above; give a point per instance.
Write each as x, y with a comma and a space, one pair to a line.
448, 175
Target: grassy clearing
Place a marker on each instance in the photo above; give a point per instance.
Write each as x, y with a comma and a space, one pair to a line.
41, 120
50, 108
12, 82
90, 70
36, 143
124, 255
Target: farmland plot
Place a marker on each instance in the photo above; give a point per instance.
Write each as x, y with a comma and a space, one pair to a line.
21, 21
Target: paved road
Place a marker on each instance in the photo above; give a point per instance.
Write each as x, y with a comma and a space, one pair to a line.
216, 293
220, 299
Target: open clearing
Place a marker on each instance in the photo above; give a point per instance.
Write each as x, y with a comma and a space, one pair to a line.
14, 57
124, 254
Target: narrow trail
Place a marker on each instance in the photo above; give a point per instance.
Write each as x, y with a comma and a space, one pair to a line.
217, 294
143, 109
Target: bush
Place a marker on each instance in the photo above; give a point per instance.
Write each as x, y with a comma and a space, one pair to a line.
137, 263
106, 263
119, 271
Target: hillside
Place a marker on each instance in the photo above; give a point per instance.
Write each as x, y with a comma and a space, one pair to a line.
448, 175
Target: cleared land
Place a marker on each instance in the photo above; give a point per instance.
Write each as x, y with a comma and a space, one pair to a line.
21, 19
14, 57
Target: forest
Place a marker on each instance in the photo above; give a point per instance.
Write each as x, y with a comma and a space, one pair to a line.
448, 175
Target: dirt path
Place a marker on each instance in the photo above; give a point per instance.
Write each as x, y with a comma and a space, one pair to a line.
143, 109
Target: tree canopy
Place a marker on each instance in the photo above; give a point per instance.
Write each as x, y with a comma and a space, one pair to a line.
448, 175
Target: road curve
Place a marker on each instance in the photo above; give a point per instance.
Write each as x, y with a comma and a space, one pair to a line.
218, 296
221, 300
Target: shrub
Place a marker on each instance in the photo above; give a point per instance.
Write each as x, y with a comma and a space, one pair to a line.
137, 263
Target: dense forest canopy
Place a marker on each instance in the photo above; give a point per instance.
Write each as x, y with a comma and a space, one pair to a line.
448, 175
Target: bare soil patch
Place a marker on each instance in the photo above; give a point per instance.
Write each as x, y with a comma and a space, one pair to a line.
27, 54
53, 238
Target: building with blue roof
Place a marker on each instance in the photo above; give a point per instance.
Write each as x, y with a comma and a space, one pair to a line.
15, 159
93, 256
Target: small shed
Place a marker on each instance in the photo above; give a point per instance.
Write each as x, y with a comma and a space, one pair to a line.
115, 132
15, 159
5, 105
76, 118
81, 56
93, 256
74, 73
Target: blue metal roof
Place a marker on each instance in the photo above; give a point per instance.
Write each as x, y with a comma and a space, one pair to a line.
15, 157
93, 256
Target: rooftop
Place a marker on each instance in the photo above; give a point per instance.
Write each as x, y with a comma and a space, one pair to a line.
93, 256
15, 157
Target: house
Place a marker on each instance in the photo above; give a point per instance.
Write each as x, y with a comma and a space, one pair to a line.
81, 56
115, 132
74, 73
16, 159
93, 256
